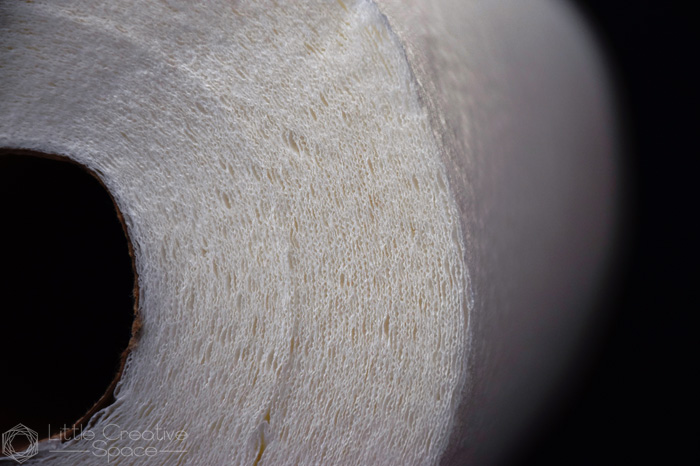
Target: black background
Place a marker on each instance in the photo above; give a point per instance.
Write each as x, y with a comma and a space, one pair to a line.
632, 404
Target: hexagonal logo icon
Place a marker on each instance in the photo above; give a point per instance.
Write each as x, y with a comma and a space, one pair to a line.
30, 436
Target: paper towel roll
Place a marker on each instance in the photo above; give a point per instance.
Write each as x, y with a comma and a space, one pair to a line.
357, 237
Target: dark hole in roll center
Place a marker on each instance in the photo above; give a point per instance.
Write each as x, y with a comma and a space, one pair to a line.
67, 291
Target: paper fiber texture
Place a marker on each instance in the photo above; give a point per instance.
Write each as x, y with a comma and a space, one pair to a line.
299, 253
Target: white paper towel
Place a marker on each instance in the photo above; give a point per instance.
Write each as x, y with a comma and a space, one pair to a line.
306, 193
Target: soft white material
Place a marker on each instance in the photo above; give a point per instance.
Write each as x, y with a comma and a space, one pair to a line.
299, 252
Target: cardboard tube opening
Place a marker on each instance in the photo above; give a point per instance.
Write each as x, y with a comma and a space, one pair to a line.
69, 294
